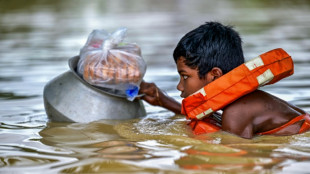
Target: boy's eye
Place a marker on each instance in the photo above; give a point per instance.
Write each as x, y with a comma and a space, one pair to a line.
185, 77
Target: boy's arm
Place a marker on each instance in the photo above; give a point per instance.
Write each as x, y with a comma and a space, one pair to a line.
291, 105
154, 96
237, 122
244, 132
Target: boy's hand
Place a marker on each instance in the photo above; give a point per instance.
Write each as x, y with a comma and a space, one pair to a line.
151, 93
154, 96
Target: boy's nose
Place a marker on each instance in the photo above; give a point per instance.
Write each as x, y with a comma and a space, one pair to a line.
180, 87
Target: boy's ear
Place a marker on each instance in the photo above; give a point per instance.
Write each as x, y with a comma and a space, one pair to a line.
216, 73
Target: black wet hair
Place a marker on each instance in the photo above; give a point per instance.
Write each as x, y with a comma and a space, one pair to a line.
210, 45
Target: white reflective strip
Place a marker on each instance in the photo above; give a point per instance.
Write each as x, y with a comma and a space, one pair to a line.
199, 116
264, 78
202, 91
203, 114
254, 63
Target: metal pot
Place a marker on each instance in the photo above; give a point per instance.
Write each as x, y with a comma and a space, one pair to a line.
69, 98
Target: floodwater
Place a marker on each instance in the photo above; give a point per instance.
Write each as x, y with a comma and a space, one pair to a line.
37, 37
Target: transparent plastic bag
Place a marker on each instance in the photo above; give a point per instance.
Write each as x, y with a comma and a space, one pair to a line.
107, 62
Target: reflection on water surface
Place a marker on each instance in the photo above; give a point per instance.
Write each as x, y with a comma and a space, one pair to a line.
38, 37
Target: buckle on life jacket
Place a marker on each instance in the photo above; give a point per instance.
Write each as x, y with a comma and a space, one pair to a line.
208, 125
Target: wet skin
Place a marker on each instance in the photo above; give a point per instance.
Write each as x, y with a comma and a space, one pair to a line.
259, 112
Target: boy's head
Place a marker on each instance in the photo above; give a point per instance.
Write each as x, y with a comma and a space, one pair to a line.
205, 53
211, 45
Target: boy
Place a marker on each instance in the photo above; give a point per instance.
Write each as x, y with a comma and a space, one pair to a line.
204, 55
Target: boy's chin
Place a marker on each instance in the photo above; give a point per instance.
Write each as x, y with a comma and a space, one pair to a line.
183, 95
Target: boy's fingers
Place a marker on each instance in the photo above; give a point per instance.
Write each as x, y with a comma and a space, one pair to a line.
148, 91
148, 98
142, 84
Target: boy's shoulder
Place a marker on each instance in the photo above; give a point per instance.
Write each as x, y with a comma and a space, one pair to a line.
250, 105
243, 116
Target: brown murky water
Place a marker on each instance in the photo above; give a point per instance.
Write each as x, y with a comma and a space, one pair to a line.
38, 37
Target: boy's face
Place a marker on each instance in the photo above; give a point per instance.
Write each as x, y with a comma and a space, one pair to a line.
189, 79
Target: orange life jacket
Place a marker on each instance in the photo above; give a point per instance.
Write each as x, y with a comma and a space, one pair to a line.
265, 69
